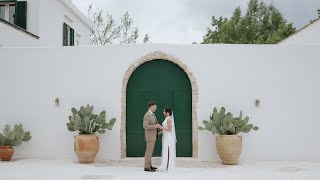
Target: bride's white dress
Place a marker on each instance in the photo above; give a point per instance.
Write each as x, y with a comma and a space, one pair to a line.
168, 155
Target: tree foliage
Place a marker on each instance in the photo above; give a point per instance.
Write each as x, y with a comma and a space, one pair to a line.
261, 24
107, 31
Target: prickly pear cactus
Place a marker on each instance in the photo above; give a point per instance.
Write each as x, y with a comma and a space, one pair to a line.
225, 124
15, 136
86, 122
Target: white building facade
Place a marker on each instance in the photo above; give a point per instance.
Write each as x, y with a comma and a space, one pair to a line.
308, 35
38, 23
285, 79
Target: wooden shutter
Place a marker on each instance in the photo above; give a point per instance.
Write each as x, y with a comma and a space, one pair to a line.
65, 35
20, 18
71, 37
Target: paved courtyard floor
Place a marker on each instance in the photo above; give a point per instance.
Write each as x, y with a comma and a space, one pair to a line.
35, 169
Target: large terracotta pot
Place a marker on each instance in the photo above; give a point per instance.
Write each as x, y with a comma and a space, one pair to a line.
86, 147
229, 148
6, 153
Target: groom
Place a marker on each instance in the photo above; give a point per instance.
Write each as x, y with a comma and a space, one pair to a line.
150, 124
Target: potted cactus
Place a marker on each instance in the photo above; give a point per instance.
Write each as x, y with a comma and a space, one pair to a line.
86, 143
228, 140
11, 138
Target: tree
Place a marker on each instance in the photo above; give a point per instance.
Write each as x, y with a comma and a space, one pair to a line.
146, 39
261, 24
107, 31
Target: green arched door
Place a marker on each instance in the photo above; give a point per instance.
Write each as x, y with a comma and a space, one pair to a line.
167, 84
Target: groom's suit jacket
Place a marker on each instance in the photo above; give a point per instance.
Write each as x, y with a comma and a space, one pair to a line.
149, 124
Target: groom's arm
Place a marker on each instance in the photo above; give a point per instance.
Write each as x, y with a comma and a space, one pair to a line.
146, 123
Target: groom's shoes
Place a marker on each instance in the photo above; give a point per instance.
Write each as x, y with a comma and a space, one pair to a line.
153, 168
149, 170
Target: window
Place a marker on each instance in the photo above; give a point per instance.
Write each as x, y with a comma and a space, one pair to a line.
68, 35
2, 11
14, 12
7, 10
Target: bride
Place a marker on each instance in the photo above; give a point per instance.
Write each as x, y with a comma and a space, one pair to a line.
168, 154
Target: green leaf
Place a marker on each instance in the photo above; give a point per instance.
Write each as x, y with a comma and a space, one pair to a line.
22, 134
27, 136
98, 120
2, 138
233, 130
70, 125
101, 131
245, 120
205, 122
16, 143
73, 119
12, 135
215, 110
88, 110
230, 125
255, 128
74, 111
86, 120
91, 110
109, 127
75, 127
6, 130
112, 121
103, 112
240, 116
104, 125
247, 128
77, 120
213, 130
82, 111
82, 127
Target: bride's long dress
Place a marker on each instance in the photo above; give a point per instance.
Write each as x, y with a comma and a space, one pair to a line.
168, 154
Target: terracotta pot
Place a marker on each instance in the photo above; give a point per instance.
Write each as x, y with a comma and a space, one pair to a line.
6, 153
229, 148
86, 147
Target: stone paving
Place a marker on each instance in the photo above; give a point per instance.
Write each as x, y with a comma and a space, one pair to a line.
138, 162
132, 168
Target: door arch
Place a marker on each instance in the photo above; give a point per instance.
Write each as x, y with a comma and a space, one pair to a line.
168, 85
169, 64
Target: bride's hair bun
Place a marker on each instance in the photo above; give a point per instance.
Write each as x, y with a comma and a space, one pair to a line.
168, 110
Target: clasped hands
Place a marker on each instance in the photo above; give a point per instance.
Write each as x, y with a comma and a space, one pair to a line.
159, 126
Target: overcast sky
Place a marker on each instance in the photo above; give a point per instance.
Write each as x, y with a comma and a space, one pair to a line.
186, 21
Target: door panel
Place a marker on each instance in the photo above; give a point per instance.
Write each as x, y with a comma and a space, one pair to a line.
168, 85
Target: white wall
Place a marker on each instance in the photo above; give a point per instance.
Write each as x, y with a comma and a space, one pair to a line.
33, 15
286, 79
11, 37
45, 19
306, 36
51, 22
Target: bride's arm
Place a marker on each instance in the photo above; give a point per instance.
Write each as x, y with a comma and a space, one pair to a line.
169, 122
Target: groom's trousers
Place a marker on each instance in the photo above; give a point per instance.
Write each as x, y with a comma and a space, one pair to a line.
148, 154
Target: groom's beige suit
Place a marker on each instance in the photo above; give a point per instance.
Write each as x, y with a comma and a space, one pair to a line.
149, 124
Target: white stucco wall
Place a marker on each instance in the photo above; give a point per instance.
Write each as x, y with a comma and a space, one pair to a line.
307, 36
45, 19
53, 15
286, 79
11, 37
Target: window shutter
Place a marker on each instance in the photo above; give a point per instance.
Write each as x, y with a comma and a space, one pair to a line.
65, 35
20, 17
71, 37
